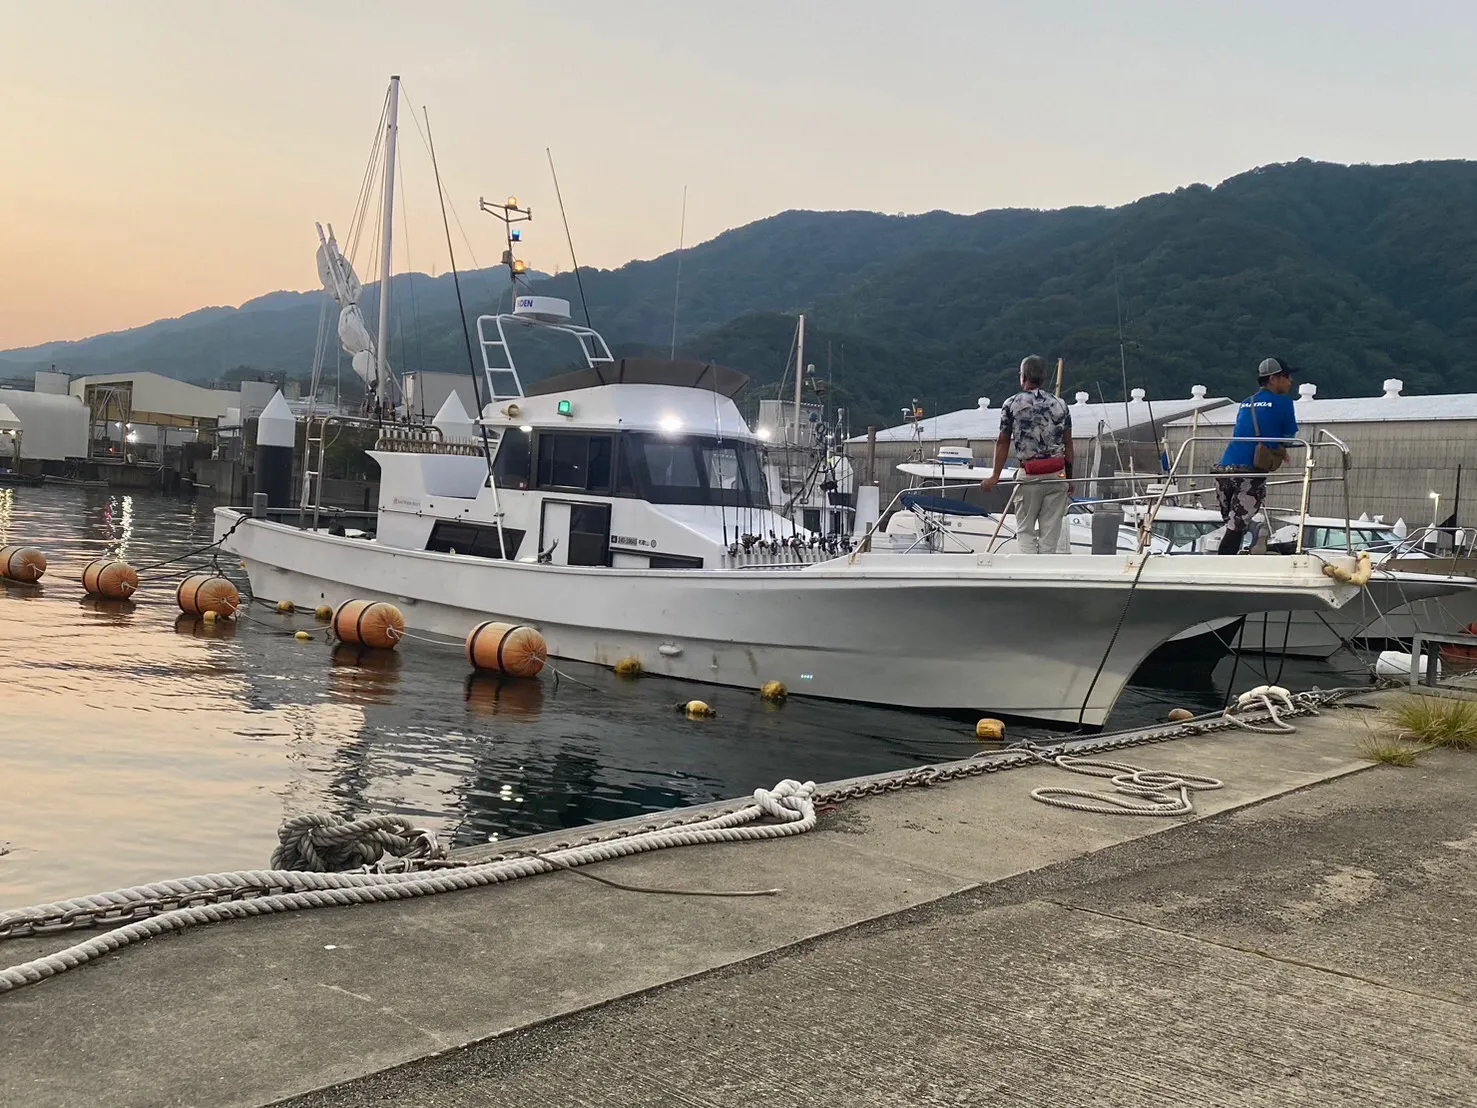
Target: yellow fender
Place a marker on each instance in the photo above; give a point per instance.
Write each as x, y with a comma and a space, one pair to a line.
1358, 576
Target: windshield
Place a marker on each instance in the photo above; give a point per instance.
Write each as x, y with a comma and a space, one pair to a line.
693, 470
1184, 532
1361, 538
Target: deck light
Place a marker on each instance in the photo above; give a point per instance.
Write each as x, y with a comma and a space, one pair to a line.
671, 424
566, 408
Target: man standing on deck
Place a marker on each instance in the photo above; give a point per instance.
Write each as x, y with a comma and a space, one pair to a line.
1036, 429
1268, 415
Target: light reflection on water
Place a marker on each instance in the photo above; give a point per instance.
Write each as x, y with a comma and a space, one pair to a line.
136, 743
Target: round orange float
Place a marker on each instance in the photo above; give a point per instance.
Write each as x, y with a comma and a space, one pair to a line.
110, 579
511, 648
204, 592
22, 563
370, 623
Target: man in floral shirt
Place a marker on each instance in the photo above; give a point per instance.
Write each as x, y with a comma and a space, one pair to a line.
1036, 430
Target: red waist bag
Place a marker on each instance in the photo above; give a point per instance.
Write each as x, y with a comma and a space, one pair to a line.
1040, 467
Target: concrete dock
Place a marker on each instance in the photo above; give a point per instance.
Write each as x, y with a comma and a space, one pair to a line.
1303, 939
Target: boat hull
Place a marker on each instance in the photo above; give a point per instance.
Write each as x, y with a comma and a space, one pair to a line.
1038, 637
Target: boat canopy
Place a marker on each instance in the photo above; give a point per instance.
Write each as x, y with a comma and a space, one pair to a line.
646, 371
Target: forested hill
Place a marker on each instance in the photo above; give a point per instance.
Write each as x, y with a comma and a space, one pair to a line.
1356, 273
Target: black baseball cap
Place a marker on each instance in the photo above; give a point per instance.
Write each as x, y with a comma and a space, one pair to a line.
1271, 367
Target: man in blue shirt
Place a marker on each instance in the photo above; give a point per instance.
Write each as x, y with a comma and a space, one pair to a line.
1268, 415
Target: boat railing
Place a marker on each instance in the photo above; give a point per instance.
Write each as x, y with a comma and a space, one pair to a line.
1173, 485
1324, 442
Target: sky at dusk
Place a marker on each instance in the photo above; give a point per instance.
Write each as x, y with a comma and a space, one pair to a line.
160, 157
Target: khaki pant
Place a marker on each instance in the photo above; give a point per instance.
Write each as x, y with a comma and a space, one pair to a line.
1039, 518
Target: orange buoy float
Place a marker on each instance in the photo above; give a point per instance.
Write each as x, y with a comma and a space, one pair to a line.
110, 579
371, 623
204, 592
25, 564
511, 648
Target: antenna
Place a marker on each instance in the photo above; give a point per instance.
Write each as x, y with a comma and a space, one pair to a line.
579, 283
460, 307
677, 291
1123, 368
510, 212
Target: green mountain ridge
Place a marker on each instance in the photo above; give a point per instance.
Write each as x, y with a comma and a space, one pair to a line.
1355, 273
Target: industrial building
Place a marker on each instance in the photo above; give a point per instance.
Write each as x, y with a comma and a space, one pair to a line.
1123, 437
138, 418
52, 428
1411, 457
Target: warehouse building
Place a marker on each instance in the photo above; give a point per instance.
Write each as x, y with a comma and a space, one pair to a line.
1122, 437
139, 418
1411, 457
52, 428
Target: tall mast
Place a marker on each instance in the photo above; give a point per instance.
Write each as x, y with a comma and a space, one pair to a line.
799, 375
381, 366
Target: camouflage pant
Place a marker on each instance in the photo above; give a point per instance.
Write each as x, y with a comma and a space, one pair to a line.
1240, 497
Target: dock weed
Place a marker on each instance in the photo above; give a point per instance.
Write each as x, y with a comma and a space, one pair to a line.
1436, 721
1388, 752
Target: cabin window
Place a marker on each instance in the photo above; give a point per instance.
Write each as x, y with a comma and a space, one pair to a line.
589, 535
476, 539
692, 470
512, 466
574, 461
675, 561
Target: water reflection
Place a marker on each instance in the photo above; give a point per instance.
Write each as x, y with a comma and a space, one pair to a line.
115, 612
197, 628
363, 675
490, 696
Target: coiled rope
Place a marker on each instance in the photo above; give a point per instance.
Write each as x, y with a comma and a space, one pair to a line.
1150, 792
263, 892
329, 844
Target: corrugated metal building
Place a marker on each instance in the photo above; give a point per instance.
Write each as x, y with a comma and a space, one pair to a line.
53, 428
137, 416
1407, 453
1128, 433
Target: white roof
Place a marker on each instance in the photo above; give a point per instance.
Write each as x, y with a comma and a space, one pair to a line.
1363, 409
8, 422
982, 423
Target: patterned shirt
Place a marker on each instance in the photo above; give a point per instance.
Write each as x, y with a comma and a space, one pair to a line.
1036, 422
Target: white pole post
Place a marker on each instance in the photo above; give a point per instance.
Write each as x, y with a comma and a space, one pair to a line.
381, 367
799, 375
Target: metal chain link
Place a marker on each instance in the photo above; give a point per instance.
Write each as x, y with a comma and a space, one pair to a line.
1013, 757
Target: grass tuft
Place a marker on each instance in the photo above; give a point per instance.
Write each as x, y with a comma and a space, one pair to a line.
1388, 752
1437, 721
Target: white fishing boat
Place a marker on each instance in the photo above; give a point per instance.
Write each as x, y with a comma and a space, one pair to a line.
626, 516
1402, 597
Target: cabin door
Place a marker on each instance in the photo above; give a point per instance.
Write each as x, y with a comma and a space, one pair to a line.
574, 534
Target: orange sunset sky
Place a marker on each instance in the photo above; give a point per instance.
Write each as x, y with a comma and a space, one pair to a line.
159, 157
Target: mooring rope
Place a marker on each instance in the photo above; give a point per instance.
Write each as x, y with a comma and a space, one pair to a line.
1151, 792
262, 892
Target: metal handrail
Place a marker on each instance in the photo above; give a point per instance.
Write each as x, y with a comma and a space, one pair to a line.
1170, 484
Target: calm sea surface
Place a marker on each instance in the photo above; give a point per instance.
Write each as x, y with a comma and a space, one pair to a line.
136, 744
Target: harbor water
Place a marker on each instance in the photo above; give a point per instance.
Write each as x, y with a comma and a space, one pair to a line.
137, 743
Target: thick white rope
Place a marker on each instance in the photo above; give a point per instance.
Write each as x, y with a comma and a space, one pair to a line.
1144, 792
1267, 697
789, 803
1149, 792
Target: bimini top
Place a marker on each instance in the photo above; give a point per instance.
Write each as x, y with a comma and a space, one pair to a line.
646, 371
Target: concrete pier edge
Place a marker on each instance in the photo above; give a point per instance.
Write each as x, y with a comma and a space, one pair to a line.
427, 979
